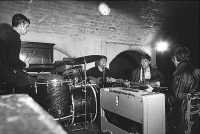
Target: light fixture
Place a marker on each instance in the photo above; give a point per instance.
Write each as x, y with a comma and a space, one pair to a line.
103, 8
162, 46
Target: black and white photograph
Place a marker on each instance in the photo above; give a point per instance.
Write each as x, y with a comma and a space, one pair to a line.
99, 67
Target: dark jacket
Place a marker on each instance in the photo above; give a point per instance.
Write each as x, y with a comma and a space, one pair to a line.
156, 75
184, 81
97, 75
10, 45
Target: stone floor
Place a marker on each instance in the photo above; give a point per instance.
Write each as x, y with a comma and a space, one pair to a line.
82, 128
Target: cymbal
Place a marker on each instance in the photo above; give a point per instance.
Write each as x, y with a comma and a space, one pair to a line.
38, 68
68, 61
79, 60
87, 59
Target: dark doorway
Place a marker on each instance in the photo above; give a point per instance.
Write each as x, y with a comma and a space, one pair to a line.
123, 64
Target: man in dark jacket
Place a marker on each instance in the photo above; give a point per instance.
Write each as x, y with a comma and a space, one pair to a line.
184, 81
146, 74
11, 67
100, 74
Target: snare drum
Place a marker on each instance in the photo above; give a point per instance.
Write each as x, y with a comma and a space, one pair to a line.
53, 95
75, 74
79, 102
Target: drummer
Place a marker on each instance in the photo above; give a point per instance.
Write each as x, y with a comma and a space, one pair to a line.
11, 67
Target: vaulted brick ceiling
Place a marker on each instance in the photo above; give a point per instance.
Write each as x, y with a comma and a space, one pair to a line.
179, 19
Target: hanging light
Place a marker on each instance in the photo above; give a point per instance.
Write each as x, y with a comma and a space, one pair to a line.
103, 8
162, 46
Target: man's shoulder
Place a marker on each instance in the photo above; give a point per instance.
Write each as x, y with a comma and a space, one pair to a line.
136, 69
11, 35
92, 68
154, 68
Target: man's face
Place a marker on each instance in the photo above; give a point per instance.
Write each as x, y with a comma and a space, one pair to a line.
102, 62
145, 63
24, 28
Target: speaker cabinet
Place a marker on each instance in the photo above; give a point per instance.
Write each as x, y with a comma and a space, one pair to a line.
126, 110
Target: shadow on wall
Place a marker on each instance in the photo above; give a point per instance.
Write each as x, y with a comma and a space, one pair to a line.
124, 63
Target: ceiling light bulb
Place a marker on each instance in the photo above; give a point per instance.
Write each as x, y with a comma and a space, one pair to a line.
103, 8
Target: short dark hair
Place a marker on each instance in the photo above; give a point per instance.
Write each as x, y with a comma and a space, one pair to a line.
102, 57
18, 19
182, 53
145, 56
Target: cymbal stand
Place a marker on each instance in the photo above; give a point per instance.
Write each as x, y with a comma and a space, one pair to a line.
103, 76
85, 119
85, 94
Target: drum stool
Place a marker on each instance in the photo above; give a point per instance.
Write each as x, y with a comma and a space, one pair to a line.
192, 109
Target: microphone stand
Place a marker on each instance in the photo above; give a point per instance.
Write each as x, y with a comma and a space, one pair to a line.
103, 69
143, 77
85, 94
85, 90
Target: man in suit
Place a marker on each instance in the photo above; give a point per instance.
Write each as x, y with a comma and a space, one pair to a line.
146, 74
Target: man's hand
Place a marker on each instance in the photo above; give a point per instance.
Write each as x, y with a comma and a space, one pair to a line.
155, 84
27, 64
149, 89
92, 82
127, 83
110, 79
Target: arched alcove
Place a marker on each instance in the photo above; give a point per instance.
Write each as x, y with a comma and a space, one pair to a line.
123, 64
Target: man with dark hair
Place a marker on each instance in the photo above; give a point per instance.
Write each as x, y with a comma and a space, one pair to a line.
185, 80
11, 67
99, 74
146, 74
19, 19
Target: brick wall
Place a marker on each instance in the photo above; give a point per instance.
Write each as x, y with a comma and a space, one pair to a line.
77, 27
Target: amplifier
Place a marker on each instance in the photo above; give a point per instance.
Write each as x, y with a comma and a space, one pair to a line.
127, 110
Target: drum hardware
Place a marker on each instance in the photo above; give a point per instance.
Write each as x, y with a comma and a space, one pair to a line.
63, 118
78, 103
85, 92
78, 106
35, 85
61, 112
75, 74
84, 60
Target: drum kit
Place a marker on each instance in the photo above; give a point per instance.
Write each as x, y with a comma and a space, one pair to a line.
67, 97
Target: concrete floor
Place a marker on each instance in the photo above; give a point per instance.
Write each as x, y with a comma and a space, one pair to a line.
82, 128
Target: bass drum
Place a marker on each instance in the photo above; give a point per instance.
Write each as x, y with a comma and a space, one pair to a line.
52, 93
79, 102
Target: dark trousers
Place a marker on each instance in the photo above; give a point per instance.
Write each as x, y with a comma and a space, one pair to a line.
17, 78
20, 80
